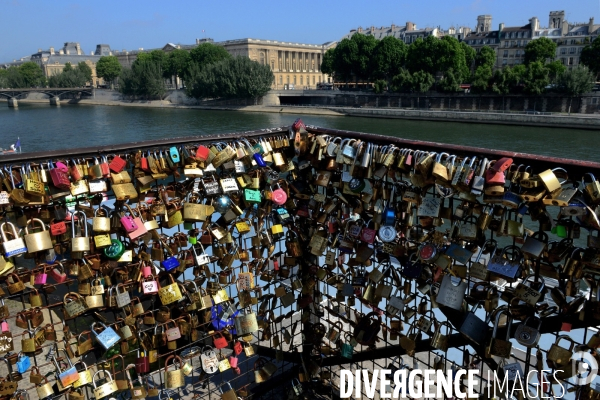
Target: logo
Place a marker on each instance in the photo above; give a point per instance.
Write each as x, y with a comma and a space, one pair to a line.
585, 366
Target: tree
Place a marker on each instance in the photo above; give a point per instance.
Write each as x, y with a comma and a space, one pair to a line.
68, 67
422, 55
388, 58
470, 54
590, 56
422, 81
365, 45
14, 79
208, 53
108, 68
73, 77
576, 82
32, 74
144, 79
501, 81
380, 85
402, 82
486, 57
237, 77
536, 78
540, 50
555, 70
450, 82
328, 60
482, 79
346, 54
85, 70
3, 78
177, 64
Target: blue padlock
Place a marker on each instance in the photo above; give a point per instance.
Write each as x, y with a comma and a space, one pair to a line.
222, 317
260, 161
389, 216
107, 338
174, 154
23, 363
170, 263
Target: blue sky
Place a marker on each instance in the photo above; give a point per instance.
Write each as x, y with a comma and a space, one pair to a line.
130, 24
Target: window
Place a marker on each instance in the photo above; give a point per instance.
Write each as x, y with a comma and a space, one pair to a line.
281, 80
313, 80
504, 61
594, 100
506, 43
564, 61
519, 34
579, 50
505, 53
572, 41
288, 79
563, 51
307, 80
294, 79
570, 60
272, 65
526, 34
301, 80
572, 50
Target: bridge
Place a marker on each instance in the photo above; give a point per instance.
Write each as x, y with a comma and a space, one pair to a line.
54, 94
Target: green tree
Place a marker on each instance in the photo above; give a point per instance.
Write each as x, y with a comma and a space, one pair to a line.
237, 77
346, 54
144, 79
108, 68
177, 63
485, 57
470, 54
73, 77
32, 74
576, 82
422, 81
450, 82
422, 55
555, 70
537, 78
388, 58
590, 56
451, 56
402, 82
208, 53
362, 65
85, 70
68, 67
3, 78
540, 50
501, 81
328, 60
14, 79
482, 78
380, 86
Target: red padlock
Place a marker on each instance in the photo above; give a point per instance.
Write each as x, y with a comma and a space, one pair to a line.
233, 361
219, 341
367, 234
202, 153
57, 228
238, 348
493, 177
279, 196
502, 164
142, 363
75, 172
117, 164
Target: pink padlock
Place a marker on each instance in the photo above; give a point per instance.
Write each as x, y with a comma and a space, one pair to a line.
4, 326
149, 285
146, 271
58, 273
493, 177
62, 167
279, 196
128, 223
233, 361
41, 278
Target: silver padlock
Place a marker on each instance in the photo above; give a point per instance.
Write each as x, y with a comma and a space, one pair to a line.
451, 295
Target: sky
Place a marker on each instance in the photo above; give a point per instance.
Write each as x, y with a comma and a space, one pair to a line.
29, 25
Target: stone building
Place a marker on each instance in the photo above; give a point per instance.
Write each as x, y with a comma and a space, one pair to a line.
296, 64
53, 61
407, 33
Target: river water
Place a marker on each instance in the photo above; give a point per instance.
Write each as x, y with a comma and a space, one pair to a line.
41, 127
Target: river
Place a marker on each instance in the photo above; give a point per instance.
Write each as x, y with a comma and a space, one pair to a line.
41, 127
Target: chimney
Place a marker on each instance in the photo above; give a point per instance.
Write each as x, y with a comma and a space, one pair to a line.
394, 26
197, 41
501, 27
591, 25
411, 26
51, 50
39, 50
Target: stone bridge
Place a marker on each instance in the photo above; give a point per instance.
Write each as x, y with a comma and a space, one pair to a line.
54, 94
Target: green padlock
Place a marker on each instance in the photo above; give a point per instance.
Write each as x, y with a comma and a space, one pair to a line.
188, 225
115, 250
560, 231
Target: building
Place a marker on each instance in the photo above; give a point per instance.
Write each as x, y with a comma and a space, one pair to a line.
407, 33
295, 64
53, 61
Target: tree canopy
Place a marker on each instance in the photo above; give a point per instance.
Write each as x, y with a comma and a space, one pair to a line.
233, 77
576, 81
72, 76
108, 68
177, 63
143, 79
590, 56
539, 50
486, 57
208, 53
32, 74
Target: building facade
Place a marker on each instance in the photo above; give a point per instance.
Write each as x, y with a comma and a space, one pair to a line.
53, 61
296, 64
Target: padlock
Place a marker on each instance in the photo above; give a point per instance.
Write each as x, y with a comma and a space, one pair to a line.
68, 376
107, 388
500, 347
44, 388
438, 339
107, 338
37, 241
527, 335
527, 293
14, 246
451, 295
208, 358
473, 327
79, 244
558, 356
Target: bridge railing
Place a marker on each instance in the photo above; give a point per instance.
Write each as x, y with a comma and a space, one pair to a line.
329, 231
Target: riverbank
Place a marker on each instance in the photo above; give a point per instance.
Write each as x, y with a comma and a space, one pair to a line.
581, 121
